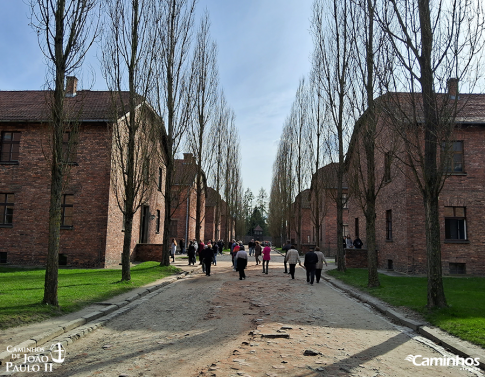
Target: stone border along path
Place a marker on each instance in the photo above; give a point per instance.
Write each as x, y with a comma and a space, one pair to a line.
66, 332
75, 329
448, 342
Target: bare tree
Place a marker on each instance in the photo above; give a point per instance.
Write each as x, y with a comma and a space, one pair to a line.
219, 132
315, 141
204, 69
432, 43
128, 66
331, 33
173, 97
370, 55
65, 31
298, 122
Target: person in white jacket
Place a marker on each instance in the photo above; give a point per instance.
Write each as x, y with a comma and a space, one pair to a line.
321, 261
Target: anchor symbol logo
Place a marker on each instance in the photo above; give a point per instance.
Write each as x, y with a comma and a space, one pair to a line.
60, 351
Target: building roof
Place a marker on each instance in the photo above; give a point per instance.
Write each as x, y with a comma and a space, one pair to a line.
85, 106
212, 196
258, 228
327, 175
305, 198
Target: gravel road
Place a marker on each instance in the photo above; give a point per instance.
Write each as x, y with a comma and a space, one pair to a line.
262, 326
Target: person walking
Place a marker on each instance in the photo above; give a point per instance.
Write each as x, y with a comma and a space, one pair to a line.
266, 258
206, 257
257, 252
173, 248
292, 258
251, 246
220, 245
310, 264
241, 262
284, 250
200, 249
215, 250
182, 246
191, 253
319, 265
235, 249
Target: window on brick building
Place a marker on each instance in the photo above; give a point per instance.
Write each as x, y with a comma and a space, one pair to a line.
345, 201
454, 162
455, 223
357, 230
457, 268
3, 257
160, 179
10, 146
69, 148
387, 167
345, 229
389, 225
67, 209
173, 228
158, 222
6, 209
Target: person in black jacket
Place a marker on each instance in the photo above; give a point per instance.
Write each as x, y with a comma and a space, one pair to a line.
285, 249
191, 253
206, 256
311, 260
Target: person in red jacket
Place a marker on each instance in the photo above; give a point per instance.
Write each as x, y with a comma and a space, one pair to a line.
266, 258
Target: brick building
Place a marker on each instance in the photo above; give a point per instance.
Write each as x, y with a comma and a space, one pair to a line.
214, 228
400, 221
91, 224
184, 200
324, 185
306, 235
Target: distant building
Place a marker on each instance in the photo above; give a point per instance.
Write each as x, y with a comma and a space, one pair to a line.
258, 231
184, 200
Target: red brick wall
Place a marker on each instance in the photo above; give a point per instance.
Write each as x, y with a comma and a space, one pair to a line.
209, 226
407, 250
26, 241
148, 252
355, 258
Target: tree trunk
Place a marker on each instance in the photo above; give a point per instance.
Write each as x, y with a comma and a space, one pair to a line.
168, 209
436, 293
431, 178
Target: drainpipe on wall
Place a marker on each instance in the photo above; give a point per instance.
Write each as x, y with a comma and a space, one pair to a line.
187, 218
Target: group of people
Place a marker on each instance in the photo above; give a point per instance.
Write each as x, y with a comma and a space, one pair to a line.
349, 244
313, 262
240, 256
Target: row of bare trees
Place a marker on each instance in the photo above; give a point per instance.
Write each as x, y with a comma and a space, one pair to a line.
364, 51
162, 73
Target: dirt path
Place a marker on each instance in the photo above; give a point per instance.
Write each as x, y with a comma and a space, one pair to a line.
262, 326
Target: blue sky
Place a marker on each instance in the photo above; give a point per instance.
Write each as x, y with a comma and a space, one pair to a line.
264, 49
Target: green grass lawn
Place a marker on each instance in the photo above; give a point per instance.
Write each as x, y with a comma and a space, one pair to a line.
464, 317
22, 290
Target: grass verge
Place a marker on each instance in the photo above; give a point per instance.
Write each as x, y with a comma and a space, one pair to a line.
22, 290
464, 317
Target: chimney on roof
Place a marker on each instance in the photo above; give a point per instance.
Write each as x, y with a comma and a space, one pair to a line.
188, 158
453, 88
71, 86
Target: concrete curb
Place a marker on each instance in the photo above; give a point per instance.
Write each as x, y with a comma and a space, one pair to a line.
440, 337
76, 329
